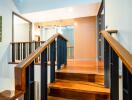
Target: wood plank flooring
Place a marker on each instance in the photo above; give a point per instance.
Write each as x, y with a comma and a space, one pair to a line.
80, 81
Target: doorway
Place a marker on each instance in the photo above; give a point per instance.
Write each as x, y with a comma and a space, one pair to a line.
67, 31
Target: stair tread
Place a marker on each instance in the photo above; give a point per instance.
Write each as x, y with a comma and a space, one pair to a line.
82, 82
57, 98
69, 71
80, 87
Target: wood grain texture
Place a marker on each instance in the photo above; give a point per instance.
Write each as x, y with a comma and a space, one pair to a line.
20, 69
123, 53
78, 91
57, 98
79, 87
10, 95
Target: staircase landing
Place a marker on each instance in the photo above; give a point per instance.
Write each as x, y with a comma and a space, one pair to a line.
83, 67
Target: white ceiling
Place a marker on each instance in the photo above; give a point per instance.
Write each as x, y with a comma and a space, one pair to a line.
28, 6
64, 13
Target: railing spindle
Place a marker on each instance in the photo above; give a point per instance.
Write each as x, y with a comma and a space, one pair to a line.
65, 52
24, 50
114, 76
127, 84
29, 93
18, 51
30, 47
24, 71
106, 64
44, 86
58, 53
52, 61
13, 52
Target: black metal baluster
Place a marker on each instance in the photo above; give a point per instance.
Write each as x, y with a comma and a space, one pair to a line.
63, 54
65, 51
48, 53
18, 50
58, 53
114, 76
29, 94
44, 87
30, 47
106, 64
24, 50
52, 61
127, 84
13, 52
21, 51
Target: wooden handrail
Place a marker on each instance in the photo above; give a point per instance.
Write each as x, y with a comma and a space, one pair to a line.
112, 31
123, 54
37, 52
20, 70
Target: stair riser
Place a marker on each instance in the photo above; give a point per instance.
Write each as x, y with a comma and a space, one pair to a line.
99, 79
76, 77
70, 94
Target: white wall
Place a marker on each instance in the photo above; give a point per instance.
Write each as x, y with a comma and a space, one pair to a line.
119, 16
6, 8
21, 32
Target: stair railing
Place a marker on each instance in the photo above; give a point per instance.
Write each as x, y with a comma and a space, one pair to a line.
70, 52
113, 51
20, 50
24, 71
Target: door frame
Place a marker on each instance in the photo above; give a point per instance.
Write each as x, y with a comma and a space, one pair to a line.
30, 25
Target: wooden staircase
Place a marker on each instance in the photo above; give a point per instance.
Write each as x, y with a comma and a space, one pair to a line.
79, 82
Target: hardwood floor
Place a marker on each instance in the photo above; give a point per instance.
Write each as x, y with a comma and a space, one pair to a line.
80, 81
57, 98
81, 87
83, 67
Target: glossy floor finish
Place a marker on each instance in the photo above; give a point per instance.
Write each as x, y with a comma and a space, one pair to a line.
83, 67
57, 98
80, 86
80, 80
